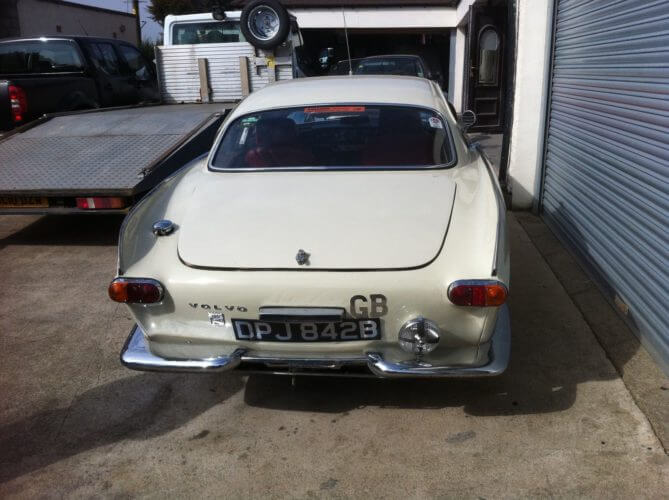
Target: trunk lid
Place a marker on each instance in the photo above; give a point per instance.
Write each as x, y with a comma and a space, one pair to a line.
344, 220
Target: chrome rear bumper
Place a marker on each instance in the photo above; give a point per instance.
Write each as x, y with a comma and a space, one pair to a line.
137, 356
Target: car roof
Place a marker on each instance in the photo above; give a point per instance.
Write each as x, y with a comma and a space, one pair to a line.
64, 37
369, 89
345, 61
392, 56
386, 56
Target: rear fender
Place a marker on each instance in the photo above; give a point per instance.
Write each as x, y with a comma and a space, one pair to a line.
136, 238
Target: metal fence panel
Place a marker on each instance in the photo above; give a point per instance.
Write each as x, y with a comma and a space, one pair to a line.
179, 76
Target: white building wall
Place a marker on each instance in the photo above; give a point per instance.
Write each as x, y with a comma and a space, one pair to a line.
40, 17
534, 31
458, 51
457, 47
376, 18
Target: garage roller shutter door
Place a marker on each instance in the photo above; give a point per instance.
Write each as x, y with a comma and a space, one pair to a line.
606, 165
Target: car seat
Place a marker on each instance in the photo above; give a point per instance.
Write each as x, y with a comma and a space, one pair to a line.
402, 141
277, 145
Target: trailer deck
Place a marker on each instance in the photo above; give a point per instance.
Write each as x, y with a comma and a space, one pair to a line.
120, 152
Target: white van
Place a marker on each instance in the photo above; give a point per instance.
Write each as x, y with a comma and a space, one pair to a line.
204, 59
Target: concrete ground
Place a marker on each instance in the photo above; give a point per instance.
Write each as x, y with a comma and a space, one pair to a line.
560, 422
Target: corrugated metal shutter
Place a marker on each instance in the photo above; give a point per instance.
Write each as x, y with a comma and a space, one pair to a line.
179, 77
606, 165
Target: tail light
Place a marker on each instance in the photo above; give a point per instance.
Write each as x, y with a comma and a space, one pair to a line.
477, 293
100, 203
136, 290
18, 102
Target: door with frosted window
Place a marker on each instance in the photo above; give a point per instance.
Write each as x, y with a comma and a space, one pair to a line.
486, 68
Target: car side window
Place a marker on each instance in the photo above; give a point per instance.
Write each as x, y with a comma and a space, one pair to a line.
136, 62
207, 32
31, 56
105, 58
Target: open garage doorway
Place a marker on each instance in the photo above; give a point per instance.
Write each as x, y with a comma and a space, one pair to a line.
487, 78
431, 46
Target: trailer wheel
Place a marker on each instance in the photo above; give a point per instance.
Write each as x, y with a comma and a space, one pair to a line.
264, 23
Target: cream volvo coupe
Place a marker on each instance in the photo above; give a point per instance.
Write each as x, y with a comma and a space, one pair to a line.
340, 226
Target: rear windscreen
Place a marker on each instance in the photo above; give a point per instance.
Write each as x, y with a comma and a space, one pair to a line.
347, 136
389, 66
39, 56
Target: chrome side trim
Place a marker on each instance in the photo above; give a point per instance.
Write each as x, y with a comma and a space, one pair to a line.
501, 207
498, 358
271, 313
137, 356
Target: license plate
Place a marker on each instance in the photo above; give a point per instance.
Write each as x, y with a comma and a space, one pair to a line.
307, 331
23, 202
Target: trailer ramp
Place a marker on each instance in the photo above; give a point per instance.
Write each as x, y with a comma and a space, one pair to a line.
116, 152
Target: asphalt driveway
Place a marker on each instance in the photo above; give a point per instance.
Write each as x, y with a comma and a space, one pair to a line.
73, 422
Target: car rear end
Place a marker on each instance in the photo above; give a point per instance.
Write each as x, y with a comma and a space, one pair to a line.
443, 319
391, 325
257, 260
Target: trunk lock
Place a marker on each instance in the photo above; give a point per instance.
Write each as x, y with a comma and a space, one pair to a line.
302, 257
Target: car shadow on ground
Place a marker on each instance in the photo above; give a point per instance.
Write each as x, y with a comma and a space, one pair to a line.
139, 406
66, 230
553, 351
527, 387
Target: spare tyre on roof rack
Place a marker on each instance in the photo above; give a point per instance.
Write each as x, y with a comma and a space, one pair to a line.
265, 23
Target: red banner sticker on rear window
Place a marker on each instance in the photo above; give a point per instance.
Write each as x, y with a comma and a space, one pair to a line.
335, 109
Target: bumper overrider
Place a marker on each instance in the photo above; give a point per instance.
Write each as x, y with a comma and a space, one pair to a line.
137, 356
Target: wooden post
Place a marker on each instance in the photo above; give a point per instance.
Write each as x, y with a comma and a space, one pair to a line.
205, 91
244, 75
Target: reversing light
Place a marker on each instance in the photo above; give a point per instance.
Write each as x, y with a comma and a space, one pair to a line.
477, 293
100, 203
419, 336
136, 290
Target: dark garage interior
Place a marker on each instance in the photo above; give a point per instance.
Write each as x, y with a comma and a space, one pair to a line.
432, 46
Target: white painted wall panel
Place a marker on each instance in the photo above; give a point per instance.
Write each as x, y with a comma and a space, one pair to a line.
534, 20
